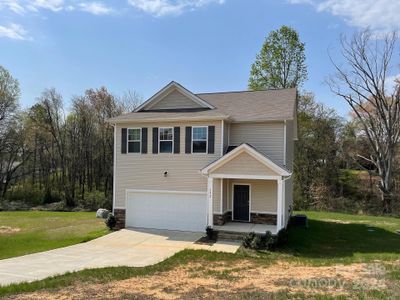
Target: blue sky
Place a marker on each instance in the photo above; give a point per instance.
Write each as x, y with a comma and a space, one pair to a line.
141, 45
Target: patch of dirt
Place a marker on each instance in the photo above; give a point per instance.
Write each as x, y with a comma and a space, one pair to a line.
220, 280
9, 230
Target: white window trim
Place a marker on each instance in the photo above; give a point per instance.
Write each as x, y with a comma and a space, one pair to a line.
159, 140
206, 127
128, 140
233, 198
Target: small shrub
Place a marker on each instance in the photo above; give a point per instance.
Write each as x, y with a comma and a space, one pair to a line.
282, 237
260, 241
269, 240
247, 240
210, 232
111, 221
257, 243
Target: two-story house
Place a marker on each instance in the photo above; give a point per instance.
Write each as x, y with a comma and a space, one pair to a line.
184, 161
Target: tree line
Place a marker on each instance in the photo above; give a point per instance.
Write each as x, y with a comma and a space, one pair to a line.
341, 163
51, 153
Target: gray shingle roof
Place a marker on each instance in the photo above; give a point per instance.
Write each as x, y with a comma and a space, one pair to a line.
245, 106
269, 105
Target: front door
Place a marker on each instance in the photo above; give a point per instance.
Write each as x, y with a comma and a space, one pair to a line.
241, 202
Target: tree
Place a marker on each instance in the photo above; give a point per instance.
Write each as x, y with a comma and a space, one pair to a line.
280, 63
130, 100
49, 115
14, 154
363, 85
316, 164
9, 94
10, 133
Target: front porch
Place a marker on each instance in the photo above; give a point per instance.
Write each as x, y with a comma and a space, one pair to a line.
245, 205
246, 193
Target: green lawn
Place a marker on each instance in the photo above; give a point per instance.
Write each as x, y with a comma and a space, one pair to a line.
331, 239
344, 238
41, 230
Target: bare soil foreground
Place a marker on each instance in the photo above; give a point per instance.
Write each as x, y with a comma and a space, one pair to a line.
243, 279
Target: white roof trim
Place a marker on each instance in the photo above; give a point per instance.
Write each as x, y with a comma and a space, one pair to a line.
166, 90
251, 151
169, 119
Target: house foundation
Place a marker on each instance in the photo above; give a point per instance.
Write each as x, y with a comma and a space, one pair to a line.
120, 216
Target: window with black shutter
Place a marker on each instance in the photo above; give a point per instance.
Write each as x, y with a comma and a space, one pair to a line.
199, 139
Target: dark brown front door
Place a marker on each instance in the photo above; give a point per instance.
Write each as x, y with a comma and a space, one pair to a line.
241, 202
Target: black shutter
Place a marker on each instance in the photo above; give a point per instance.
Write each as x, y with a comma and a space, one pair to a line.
177, 139
123, 140
188, 139
144, 140
211, 139
155, 140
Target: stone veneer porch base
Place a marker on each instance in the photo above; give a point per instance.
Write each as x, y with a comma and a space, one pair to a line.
256, 218
219, 219
120, 215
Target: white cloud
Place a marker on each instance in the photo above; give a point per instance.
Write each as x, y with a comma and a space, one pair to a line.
299, 1
160, 8
14, 31
53, 5
95, 8
23, 6
12, 5
379, 15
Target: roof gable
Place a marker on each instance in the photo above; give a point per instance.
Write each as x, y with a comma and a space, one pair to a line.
245, 158
174, 97
244, 164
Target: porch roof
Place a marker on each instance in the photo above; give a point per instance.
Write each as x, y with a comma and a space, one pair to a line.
268, 166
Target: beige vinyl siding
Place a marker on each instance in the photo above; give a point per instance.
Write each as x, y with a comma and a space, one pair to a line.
268, 138
146, 171
289, 145
244, 164
217, 195
263, 194
175, 100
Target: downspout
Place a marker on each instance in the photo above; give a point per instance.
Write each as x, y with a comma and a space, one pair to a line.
284, 143
284, 212
114, 163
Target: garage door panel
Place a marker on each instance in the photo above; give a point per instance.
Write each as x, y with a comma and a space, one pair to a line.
173, 211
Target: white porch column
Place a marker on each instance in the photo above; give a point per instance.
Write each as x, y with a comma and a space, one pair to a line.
210, 182
279, 205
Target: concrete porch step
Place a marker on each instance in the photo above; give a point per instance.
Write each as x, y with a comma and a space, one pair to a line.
230, 235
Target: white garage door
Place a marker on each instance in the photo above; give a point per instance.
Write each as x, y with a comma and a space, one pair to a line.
166, 210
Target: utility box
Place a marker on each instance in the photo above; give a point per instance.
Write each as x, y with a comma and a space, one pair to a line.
299, 220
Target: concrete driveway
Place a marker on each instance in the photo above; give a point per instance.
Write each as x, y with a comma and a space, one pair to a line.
127, 247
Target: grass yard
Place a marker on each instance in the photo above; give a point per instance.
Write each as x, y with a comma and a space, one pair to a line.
344, 238
339, 256
25, 232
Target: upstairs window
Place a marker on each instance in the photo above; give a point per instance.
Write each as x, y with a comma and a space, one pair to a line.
166, 140
199, 139
134, 140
